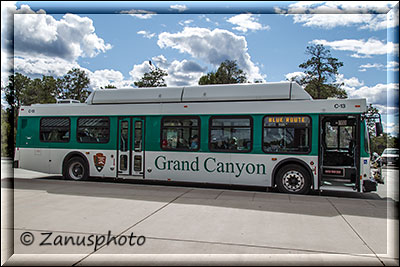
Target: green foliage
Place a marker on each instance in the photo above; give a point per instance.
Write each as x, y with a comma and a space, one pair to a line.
22, 90
154, 78
5, 133
379, 143
321, 70
108, 86
227, 73
323, 91
74, 85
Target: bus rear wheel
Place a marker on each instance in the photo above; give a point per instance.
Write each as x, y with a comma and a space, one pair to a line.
76, 169
293, 179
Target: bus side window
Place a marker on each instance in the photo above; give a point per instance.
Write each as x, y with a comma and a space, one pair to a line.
54, 129
93, 130
180, 133
231, 133
287, 134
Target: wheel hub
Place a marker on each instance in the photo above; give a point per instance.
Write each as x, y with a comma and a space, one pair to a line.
293, 181
76, 171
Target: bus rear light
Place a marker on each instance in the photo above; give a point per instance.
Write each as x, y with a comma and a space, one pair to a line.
357, 106
185, 106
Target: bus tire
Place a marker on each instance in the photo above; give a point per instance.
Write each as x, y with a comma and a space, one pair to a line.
76, 169
293, 179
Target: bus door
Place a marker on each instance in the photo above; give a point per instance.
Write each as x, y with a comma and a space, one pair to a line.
339, 155
131, 147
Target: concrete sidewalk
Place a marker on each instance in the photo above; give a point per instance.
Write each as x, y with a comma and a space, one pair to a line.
179, 220
188, 225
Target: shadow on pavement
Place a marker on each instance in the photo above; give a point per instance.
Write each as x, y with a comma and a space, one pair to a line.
242, 197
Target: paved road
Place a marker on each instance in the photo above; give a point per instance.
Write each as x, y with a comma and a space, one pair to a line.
164, 224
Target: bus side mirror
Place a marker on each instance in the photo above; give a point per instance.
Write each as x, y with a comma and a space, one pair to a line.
379, 128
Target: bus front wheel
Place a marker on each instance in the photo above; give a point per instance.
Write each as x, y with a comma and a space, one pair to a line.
76, 169
293, 179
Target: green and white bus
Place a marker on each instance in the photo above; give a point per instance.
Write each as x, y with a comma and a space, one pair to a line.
267, 134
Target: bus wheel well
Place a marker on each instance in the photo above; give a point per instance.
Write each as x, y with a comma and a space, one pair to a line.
286, 162
73, 155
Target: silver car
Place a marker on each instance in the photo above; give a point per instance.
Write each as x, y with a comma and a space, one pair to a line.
390, 156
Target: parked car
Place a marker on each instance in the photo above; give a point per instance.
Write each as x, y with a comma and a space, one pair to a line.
390, 156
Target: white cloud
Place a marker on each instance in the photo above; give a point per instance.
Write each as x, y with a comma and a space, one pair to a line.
58, 67
180, 73
180, 8
183, 73
369, 66
138, 13
185, 22
361, 47
139, 70
213, 47
160, 61
42, 65
69, 38
295, 75
146, 34
391, 127
44, 45
102, 78
385, 110
327, 15
392, 66
382, 94
247, 22
351, 82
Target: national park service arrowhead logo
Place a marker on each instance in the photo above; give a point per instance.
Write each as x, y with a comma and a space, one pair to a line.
99, 161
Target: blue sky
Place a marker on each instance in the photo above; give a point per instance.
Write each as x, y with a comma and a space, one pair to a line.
113, 42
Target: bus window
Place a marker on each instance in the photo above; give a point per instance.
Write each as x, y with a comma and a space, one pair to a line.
233, 134
124, 136
93, 130
138, 136
286, 134
54, 129
180, 133
339, 134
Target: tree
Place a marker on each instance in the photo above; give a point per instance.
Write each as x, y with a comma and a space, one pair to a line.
22, 90
74, 85
154, 78
320, 73
379, 143
108, 86
15, 90
14, 94
5, 134
227, 73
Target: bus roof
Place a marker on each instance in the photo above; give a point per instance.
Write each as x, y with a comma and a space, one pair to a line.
282, 98
202, 93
